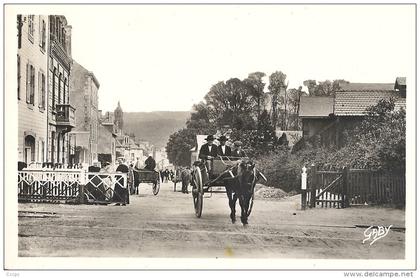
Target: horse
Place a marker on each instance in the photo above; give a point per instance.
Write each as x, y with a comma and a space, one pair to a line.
186, 179
241, 186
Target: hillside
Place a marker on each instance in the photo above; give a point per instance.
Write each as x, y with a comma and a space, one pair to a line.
155, 127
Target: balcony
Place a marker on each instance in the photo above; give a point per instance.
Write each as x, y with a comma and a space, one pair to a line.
65, 116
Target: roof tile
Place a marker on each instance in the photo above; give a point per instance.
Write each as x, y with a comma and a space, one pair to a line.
355, 103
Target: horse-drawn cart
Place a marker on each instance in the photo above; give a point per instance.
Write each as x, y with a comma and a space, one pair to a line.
237, 176
147, 176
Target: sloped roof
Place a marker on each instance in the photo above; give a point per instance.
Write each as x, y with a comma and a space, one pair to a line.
355, 103
366, 87
316, 106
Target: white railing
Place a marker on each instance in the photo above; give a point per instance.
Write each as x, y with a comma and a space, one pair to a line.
102, 187
69, 185
46, 184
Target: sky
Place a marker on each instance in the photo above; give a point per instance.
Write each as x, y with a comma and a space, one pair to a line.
166, 57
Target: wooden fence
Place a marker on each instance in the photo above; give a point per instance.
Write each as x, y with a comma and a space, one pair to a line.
341, 188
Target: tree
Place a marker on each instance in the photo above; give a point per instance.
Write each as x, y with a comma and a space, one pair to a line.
324, 88
230, 103
179, 146
256, 88
266, 134
200, 117
293, 99
277, 90
377, 143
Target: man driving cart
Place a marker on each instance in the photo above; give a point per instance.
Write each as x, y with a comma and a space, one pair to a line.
208, 152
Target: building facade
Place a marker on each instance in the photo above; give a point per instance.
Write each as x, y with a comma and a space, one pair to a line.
107, 135
84, 97
61, 119
32, 72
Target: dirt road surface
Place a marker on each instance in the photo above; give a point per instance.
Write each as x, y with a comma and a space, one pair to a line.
165, 226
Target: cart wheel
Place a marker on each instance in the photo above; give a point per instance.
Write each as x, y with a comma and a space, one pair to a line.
251, 204
156, 186
197, 191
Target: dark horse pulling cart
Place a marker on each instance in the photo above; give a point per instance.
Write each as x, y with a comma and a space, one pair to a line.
237, 175
147, 176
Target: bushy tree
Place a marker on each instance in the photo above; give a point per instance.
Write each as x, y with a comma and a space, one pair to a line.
256, 88
277, 88
379, 142
323, 88
179, 146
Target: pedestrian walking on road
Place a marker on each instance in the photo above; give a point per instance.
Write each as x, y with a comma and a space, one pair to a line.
121, 194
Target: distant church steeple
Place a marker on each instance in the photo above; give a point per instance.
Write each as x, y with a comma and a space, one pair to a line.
118, 117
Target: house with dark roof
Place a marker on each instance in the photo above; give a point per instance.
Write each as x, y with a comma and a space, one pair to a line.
326, 121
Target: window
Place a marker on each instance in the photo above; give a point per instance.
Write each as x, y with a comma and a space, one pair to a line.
29, 155
18, 77
53, 87
59, 88
42, 151
31, 27
42, 34
30, 84
52, 146
64, 91
41, 90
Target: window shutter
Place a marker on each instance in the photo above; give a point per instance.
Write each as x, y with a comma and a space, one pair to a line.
18, 76
43, 90
44, 34
28, 82
40, 31
39, 90
32, 84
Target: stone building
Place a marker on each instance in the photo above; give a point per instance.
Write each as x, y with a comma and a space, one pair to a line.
107, 135
84, 97
60, 116
32, 72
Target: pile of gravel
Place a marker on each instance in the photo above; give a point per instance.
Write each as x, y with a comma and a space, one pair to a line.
265, 192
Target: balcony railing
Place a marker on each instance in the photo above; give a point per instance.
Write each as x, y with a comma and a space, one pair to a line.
65, 115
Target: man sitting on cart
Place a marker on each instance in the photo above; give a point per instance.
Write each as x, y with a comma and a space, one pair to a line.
208, 152
150, 163
237, 152
222, 149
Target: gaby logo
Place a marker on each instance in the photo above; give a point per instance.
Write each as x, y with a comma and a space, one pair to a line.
376, 232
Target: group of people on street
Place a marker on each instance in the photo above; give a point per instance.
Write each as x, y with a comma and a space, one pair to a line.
210, 150
119, 194
167, 175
